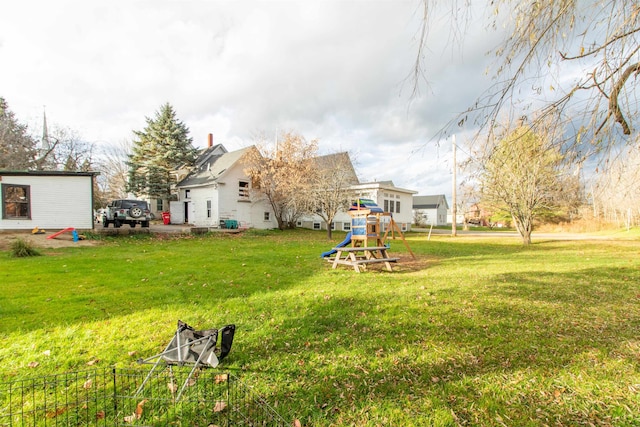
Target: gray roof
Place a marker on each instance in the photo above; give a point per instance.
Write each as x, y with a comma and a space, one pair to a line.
430, 202
342, 160
211, 164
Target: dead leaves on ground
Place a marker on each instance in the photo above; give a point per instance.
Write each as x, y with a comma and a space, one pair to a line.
138, 413
220, 406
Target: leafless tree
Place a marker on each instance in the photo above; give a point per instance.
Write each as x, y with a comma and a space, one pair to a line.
113, 167
331, 189
616, 192
573, 61
283, 173
467, 199
67, 152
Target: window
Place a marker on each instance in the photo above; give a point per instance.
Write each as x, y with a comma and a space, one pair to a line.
316, 226
16, 201
391, 206
267, 216
386, 206
243, 189
159, 205
346, 226
187, 194
333, 225
208, 208
397, 206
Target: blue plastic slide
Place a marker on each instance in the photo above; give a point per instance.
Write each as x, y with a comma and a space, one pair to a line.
345, 242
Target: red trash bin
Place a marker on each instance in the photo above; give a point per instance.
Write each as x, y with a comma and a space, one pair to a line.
166, 218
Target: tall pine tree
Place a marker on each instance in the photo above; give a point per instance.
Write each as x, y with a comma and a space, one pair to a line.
17, 148
162, 147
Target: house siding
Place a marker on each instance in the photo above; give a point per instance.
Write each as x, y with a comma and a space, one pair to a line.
378, 193
226, 203
435, 208
56, 202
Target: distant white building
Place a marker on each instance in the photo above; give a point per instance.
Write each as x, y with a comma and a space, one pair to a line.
391, 199
432, 209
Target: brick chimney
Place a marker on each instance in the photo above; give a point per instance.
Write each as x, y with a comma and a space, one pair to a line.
210, 140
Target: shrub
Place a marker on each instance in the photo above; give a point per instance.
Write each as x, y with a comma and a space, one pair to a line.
21, 248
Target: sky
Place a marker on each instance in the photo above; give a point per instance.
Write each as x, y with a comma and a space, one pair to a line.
335, 71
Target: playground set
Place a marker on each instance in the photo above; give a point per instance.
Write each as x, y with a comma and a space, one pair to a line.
365, 243
74, 233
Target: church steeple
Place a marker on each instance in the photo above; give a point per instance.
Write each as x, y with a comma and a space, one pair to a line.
44, 144
44, 151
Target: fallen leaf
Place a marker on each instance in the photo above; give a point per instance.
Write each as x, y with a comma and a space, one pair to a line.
33, 364
55, 413
100, 415
92, 362
129, 419
220, 406
173, 387
47, 352
296, 423
221, 378
87, 384
139, 408
132, 353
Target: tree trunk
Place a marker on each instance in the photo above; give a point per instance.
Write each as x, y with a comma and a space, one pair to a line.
524, 227
329, 232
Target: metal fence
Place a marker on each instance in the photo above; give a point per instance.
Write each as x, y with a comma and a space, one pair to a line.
122, 397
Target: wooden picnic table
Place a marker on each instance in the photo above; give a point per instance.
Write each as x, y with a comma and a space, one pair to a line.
360, 257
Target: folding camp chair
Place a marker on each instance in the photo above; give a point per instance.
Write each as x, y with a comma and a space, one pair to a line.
191, 347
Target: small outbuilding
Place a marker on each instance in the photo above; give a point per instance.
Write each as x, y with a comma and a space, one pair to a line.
46, 199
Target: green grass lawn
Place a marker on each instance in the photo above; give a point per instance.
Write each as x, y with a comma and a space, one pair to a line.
478, 332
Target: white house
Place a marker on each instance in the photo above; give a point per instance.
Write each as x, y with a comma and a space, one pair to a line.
394, 200
46, 199
217, 192
432, 209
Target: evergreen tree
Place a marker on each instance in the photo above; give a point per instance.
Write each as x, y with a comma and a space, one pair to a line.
17, 148
162, 147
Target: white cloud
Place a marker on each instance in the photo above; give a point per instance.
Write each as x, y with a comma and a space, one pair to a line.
332, 70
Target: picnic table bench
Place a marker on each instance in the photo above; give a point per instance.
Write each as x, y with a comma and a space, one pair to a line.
360, 257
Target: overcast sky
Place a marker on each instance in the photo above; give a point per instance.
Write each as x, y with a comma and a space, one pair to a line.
330, 70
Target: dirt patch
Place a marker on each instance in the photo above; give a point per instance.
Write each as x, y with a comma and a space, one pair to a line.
407, 263
40, 241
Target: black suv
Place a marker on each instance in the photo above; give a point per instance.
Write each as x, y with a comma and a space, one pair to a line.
130, 212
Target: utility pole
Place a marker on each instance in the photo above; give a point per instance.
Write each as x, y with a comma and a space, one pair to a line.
454, 209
